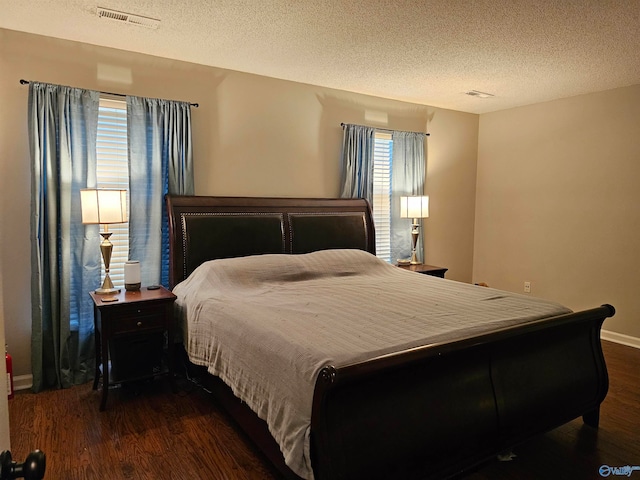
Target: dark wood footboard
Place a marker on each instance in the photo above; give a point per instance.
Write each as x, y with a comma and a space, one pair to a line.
434, 411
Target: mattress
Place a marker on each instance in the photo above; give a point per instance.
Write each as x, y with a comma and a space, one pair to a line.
267, 324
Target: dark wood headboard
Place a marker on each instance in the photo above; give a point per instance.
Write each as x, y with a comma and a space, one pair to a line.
207, 228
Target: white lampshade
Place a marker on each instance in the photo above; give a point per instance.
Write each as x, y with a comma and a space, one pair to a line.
414, 207
103, 206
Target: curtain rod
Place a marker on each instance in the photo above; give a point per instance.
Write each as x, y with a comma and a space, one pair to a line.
388, 129
26, 82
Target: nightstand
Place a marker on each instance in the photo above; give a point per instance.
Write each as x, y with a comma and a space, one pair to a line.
131, 328
426, 269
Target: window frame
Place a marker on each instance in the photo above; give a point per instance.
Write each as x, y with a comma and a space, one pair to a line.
382, 198
112, 172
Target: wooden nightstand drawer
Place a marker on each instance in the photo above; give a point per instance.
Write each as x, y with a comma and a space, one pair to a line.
139, 322
141, 308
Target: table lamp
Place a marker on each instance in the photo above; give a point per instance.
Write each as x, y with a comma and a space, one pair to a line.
414, 207
102, 206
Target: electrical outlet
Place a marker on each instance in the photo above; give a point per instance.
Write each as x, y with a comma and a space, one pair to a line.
527, 287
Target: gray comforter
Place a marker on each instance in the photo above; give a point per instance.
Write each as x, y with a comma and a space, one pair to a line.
266, 325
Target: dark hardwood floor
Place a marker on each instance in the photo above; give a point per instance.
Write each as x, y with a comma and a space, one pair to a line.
150, 433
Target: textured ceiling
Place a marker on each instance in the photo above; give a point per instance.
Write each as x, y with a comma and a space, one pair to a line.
420, 51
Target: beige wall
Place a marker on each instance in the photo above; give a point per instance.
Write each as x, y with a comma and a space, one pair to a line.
558, 202
451, 185
252, 136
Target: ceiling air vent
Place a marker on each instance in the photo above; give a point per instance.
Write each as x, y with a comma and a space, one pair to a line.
128, 18
476, 93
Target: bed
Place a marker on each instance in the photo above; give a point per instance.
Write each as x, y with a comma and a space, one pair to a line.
413, 400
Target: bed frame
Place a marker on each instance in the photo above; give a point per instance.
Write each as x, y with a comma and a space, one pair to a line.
428, 412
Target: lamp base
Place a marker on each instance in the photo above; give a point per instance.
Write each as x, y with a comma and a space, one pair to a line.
415, 232
107, 287
106, 291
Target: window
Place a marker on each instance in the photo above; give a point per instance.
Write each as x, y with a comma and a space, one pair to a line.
382, 158
113, 172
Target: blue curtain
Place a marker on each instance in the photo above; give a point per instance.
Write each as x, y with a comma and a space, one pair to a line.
357, 161
407, 179
160, 162
65, 256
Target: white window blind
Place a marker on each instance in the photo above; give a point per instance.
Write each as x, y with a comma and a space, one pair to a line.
113, 172
382, 158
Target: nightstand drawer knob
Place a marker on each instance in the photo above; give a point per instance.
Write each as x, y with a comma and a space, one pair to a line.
139, 324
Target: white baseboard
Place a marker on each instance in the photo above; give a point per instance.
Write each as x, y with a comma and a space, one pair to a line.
22, 382
627, 340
